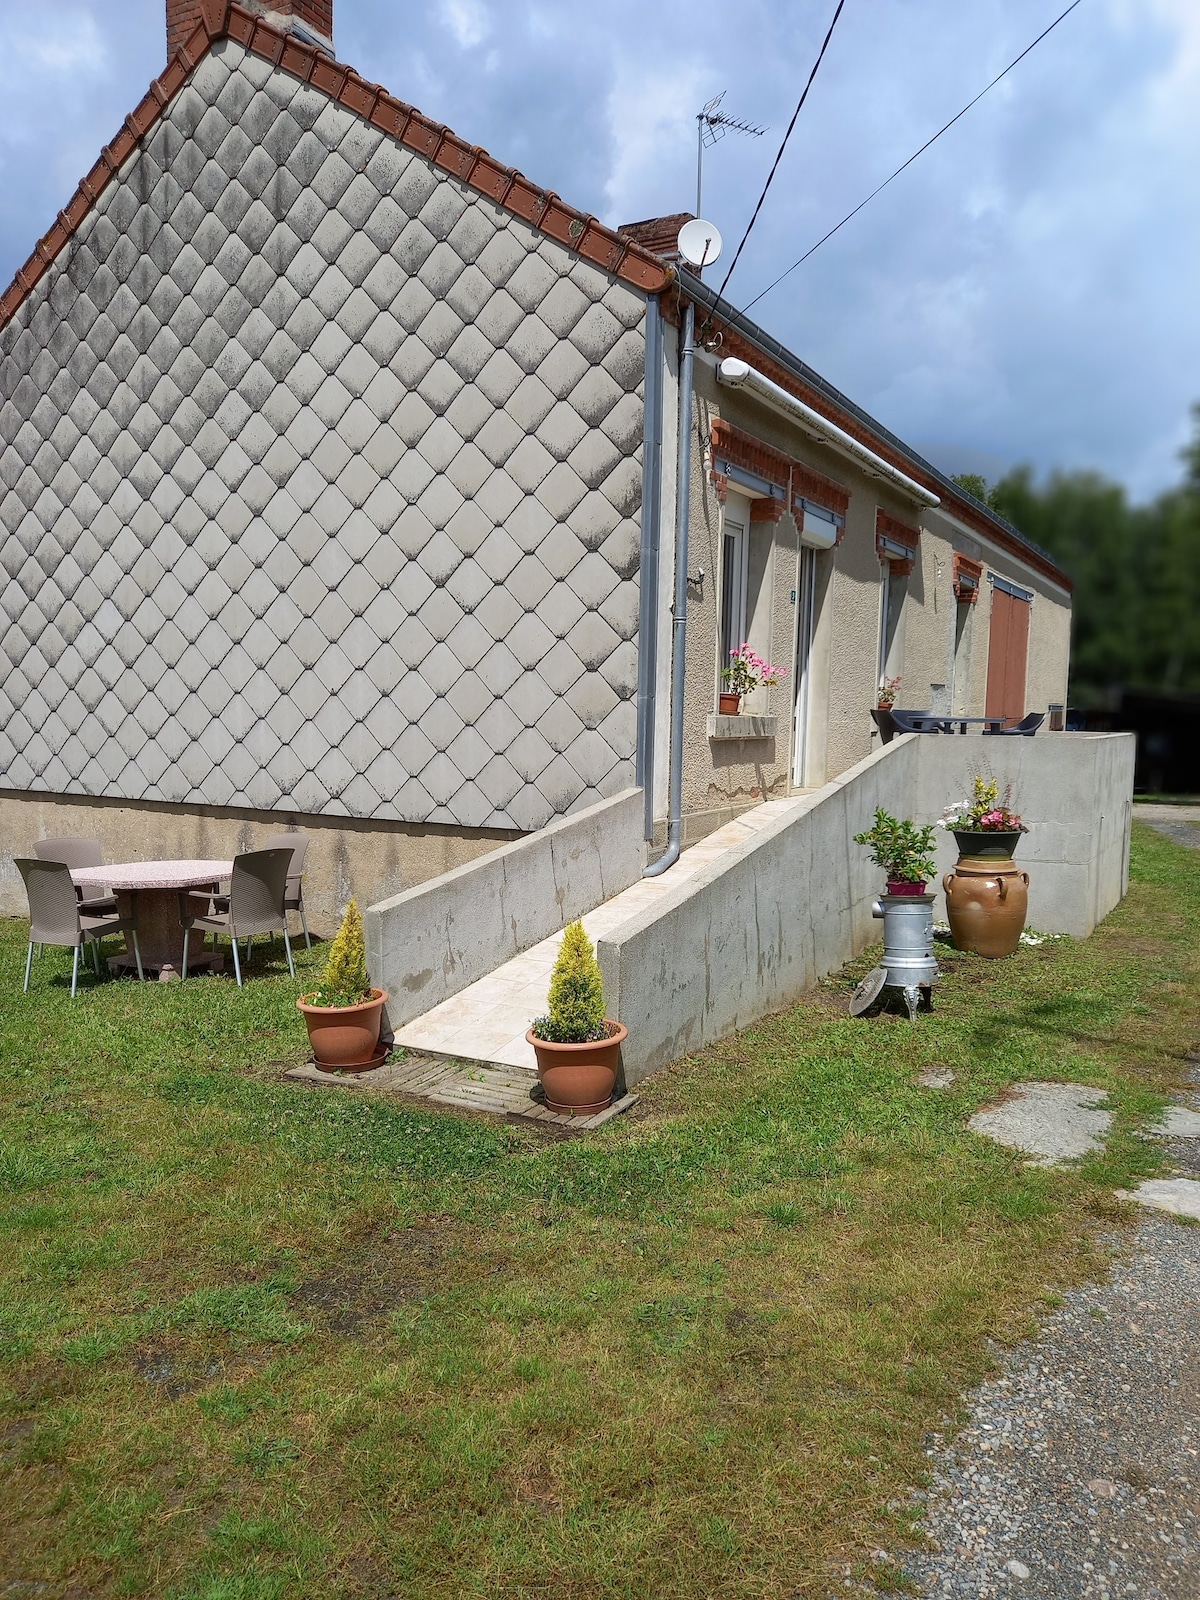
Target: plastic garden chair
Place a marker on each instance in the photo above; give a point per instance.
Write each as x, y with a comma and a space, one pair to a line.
1025, 729
257, 888
79, 853
56, 917
293, 899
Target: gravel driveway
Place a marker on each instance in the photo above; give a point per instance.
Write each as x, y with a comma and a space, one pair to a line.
1177, 822
1078, 1472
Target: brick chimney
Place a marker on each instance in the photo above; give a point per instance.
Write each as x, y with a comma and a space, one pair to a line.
660, 234
310, 20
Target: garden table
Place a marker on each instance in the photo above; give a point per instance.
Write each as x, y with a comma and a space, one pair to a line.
150, 890
947, 724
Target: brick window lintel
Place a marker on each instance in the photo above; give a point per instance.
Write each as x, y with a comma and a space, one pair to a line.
968, 579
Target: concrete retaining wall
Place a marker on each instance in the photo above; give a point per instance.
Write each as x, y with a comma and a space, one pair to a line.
1075, 793
760, 925
765, 921
426, 944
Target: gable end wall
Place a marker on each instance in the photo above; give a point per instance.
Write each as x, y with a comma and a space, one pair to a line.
320, 484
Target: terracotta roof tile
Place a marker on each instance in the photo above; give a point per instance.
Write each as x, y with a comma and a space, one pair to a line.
614, 252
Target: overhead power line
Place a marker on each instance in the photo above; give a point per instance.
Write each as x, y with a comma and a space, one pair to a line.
944, 129
783, 146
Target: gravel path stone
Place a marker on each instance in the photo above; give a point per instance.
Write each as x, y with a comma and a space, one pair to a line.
1178, 1122
1178, 1195
1049, 1121
1077, 1476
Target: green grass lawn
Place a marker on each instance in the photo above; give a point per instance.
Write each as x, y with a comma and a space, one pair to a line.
260, 1340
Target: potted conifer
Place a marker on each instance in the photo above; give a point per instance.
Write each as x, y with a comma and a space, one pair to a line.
343, 1015
578, 1048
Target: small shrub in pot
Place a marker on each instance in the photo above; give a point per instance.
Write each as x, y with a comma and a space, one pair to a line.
344, 1013
577, 1047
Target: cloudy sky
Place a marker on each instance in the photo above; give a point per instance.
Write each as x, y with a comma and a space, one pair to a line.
1026, 292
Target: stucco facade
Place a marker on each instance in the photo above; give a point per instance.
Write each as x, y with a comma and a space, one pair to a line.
939, 644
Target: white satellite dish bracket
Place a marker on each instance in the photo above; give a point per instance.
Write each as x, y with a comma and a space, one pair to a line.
699, 243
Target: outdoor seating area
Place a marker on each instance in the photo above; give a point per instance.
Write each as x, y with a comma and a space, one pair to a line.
77, 900
891, 720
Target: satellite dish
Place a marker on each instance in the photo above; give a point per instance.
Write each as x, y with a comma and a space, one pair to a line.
699, 243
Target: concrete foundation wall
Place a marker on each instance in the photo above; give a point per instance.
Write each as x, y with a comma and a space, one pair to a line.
429, 943
346, 856
768, 919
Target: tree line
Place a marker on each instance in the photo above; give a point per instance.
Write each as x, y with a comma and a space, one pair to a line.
1136, 570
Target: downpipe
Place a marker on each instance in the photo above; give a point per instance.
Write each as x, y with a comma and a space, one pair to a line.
683, 493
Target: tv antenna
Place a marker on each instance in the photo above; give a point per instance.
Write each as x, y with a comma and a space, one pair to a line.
712, 124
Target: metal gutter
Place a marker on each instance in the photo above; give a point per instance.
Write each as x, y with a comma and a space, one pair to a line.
652, 434
694, 289
683, 496
737, 374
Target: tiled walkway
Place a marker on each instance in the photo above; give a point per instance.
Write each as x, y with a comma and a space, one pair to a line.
488, 1020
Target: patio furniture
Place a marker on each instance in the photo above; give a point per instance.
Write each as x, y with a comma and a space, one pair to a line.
76, 852
55, 917
883, 719
257, 887
293, 899
154, 885
1025, 729
916, 721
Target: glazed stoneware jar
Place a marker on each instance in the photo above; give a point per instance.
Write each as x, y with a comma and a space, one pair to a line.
986, 901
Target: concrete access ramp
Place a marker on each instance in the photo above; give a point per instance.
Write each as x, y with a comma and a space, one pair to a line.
746, 925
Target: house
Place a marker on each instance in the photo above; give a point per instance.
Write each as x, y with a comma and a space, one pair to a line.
339, 472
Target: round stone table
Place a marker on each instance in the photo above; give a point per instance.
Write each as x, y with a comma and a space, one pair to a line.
149, 890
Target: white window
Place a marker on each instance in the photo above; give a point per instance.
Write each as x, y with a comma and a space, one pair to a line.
734, 563
891, 605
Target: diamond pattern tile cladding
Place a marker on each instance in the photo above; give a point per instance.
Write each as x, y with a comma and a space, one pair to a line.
319, 484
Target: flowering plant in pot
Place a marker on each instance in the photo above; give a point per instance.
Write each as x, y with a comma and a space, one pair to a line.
904, 851
984, 825
578, 1048
885, 695
746, 672
344, 1013
987, 895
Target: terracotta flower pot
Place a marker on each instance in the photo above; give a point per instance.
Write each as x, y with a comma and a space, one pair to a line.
728, 704
345, 1038
904, 886
986, 901
579, 1079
